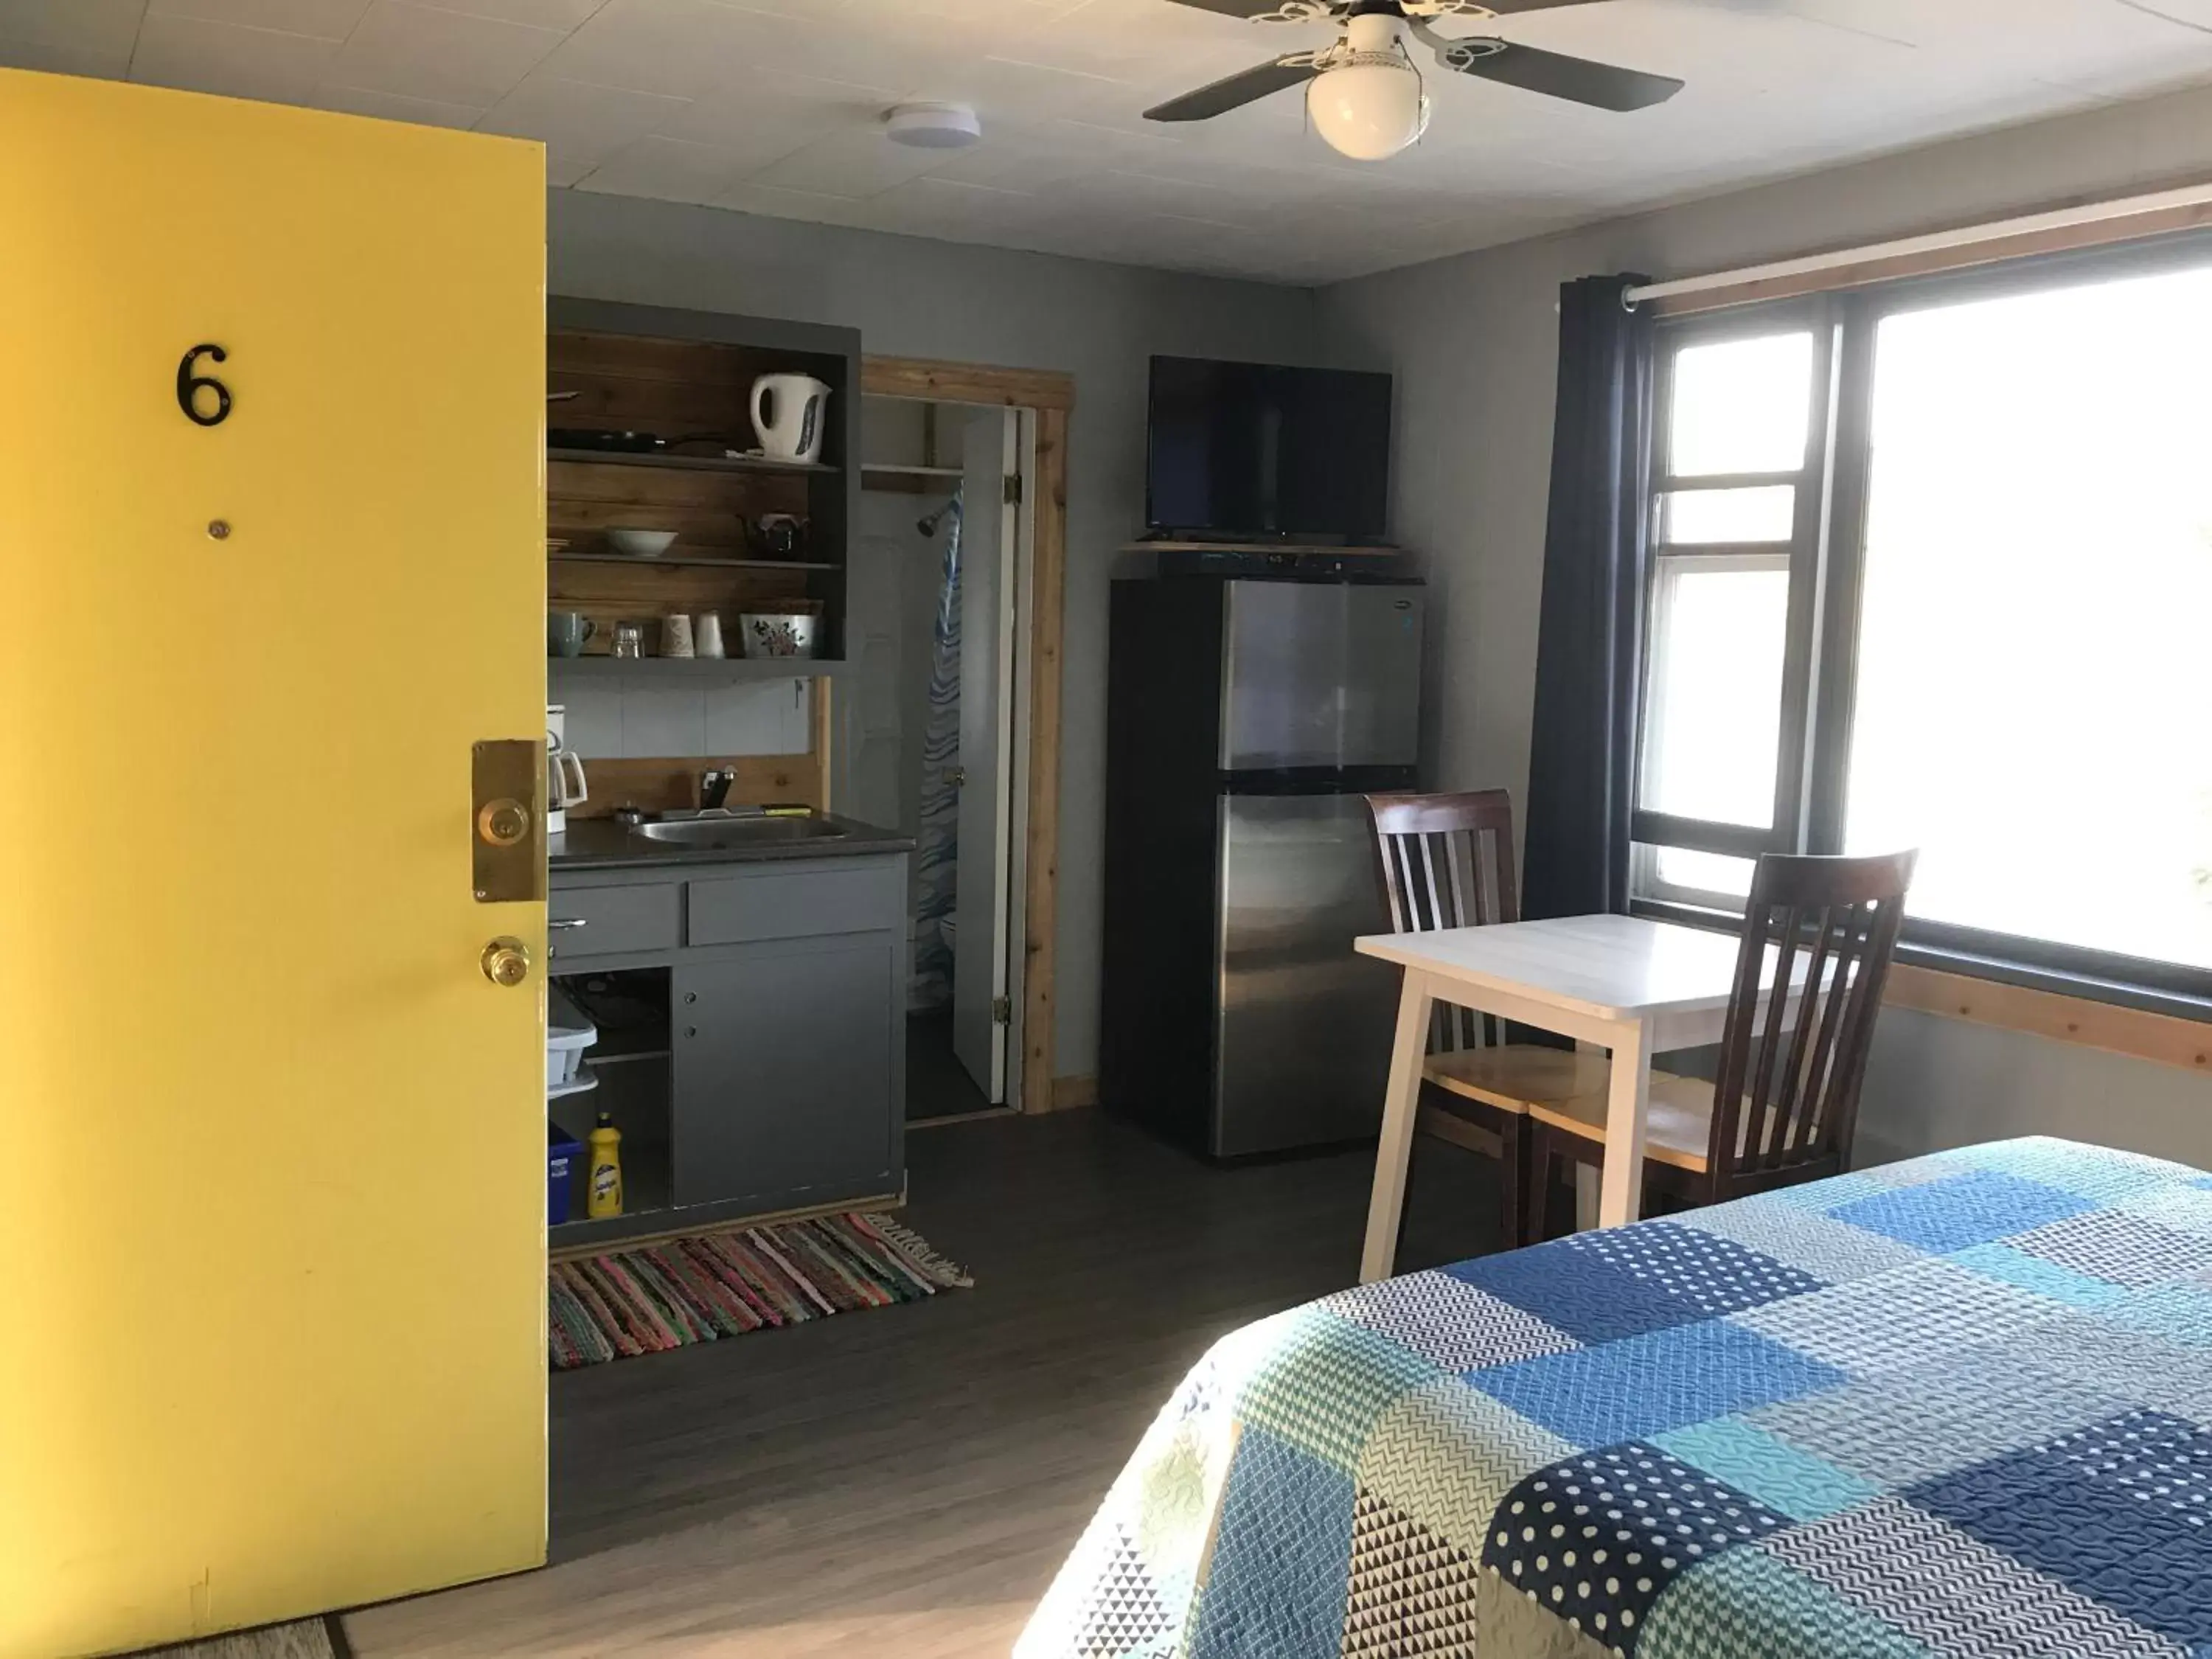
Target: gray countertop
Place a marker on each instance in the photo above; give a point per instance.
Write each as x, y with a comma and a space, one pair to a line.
603, 844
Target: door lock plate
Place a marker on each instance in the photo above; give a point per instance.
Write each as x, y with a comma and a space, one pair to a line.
506, 830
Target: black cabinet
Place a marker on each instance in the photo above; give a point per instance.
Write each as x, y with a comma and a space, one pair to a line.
786, 1056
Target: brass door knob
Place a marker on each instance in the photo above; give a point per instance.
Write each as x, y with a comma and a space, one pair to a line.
507, 962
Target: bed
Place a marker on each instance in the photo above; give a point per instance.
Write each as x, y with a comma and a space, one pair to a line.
1957, 1406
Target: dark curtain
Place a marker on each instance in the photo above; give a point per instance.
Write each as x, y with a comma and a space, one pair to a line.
1582, 756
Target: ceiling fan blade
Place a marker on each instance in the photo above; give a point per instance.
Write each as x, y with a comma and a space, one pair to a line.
1601, 86
1233, 92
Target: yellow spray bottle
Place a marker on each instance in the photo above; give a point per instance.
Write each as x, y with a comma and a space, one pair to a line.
605, 1194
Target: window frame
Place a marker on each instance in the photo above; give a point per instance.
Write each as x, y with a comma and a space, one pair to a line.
1827, 553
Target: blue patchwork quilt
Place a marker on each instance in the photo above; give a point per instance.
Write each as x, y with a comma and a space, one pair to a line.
1960, 1405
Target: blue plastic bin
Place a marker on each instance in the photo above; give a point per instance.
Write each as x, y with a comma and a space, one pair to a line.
562, 1155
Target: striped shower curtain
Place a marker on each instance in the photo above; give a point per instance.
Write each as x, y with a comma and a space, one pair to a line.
937, 853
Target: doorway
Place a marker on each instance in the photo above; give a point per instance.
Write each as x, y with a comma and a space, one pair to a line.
930, 713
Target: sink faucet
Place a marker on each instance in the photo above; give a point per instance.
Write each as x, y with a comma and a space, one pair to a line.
714, 788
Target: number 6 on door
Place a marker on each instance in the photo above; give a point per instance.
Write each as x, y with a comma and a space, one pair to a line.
189, 385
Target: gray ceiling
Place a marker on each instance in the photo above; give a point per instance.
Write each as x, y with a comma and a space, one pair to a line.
773, 105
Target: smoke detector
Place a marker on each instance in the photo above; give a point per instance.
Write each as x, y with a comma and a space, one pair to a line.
932, 126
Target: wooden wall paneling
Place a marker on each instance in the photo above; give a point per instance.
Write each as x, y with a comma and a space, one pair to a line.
708, 510
968, 383
646, 591
1040, 904
658, 357
2162, 1037
824, 759
667, 785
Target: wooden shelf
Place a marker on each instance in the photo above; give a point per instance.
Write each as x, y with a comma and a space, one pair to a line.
664, 562
723, 668
685, 463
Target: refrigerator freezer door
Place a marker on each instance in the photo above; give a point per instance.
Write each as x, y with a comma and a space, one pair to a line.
1320, 674
1382, 700
1303, 1026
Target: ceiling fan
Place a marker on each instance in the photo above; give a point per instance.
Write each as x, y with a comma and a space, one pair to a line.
1364, 93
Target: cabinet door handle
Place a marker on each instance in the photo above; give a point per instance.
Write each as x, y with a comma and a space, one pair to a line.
565, 925
690, 1031
690, 996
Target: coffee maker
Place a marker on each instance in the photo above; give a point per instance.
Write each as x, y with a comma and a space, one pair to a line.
564, 772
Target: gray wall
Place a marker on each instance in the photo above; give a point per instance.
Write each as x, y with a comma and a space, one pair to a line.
913, 298
1473, 341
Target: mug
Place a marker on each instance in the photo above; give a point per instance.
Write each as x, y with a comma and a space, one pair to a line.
675, 636
629, 640
706, 632
567, 633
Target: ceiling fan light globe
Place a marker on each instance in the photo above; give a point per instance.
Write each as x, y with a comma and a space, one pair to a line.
1369, 112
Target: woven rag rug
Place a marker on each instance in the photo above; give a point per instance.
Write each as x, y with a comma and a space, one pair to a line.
1956, 1406
653, 1298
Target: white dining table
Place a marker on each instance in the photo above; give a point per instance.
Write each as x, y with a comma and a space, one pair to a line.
1634, 987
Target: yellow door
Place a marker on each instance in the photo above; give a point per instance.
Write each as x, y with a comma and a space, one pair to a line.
271, 1213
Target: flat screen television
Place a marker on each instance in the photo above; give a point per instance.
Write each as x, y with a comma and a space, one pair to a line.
1253, 452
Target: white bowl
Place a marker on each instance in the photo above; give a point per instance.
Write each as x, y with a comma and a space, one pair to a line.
641, 543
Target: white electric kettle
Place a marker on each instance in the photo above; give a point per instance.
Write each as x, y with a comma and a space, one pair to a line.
565, 785
790, 414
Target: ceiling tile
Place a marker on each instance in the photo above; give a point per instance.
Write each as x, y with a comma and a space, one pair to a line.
675, 47
227, 58
102, 63
672, 171
562, 15
392, 107
332, 19
422, 51
95, 28
773, 203
894, 51
774, 117
1000, 89
858, 162
773, 107
581, 125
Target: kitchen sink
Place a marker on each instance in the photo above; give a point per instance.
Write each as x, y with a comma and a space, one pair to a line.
739, 832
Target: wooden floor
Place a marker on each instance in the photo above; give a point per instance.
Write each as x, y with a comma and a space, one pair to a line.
906, 1481
937, 1085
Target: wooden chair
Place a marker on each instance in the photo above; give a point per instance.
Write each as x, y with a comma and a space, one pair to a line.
1784, 1105
1447, 862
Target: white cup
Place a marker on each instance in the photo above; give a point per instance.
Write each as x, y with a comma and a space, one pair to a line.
675, 636
707, 632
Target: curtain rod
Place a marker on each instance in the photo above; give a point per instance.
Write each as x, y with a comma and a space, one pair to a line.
1940, 241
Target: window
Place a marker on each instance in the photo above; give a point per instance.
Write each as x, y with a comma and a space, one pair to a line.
1932, 566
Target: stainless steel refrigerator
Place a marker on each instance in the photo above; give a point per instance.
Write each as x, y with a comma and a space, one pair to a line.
1245, 719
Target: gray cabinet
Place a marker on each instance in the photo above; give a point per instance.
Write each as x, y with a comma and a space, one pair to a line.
785, 1059
785, 1055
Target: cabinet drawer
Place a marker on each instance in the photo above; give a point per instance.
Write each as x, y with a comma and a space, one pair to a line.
790, 903
615, 919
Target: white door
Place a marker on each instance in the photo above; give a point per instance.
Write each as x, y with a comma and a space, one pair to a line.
988, 540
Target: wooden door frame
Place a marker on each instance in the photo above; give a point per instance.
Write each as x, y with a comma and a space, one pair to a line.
1050, 396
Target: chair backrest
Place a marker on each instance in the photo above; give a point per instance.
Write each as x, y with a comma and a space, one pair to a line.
1447, 861
1785, 1101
